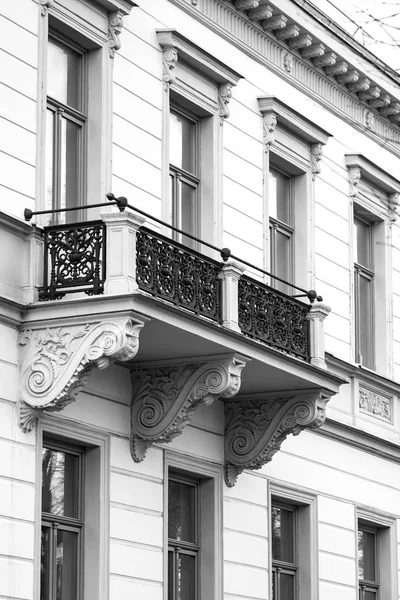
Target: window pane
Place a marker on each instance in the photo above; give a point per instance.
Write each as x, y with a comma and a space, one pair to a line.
181, 511
67, 561
186, 577
63, 74
286, 585
59, 483
279, 196
45, 564
369, 555
282, 534
70, 156
182, 142
49, 159
370, 594
188, 204
362, 245
365, 321
171, 574
282, 255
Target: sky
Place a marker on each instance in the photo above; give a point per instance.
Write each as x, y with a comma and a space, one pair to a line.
373, 23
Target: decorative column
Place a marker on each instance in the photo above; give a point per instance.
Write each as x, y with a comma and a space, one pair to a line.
55, 362
316, 317
230, 275
165, 399
256, 426
121, 232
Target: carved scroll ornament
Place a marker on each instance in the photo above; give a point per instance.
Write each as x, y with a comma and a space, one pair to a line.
316, 155
269, 126
256, 427
224, 97
169, 61
165, 399
354, 180
115, 24
55, 362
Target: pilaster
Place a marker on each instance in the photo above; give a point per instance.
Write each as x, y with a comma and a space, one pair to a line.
230, 275
316, 317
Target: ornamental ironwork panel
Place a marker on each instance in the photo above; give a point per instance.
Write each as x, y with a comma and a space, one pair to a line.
74, 260
273, 318
177, 274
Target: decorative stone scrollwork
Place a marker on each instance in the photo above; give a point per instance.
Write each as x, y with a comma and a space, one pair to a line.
256, 427
169, 60
316, 155
165, 399
393, 206
56, 362
224, 97
45, 5
269, 125
115, 24
354, 180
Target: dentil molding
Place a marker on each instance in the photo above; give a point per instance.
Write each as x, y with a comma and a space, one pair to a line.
256, 426
165, 398
55, 362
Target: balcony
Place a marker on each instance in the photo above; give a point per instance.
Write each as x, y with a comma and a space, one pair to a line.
86, 257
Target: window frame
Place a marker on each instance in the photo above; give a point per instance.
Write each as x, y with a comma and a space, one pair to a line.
367, 273
280, 566
369, 585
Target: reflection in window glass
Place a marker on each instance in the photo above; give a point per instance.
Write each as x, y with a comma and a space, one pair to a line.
284, 566
182, 142
279, 196
367, 563
59, 483
181, 511
63, 74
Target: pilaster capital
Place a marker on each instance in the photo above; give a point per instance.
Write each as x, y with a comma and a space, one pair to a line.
255, 427
115, 24
55, 362
165, 398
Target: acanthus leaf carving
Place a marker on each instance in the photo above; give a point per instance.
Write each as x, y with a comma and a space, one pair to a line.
164, 399
55, 362
393, 206
224, 97
354, 180
316, 156
115, 24
269, 126
255, 427
169, 61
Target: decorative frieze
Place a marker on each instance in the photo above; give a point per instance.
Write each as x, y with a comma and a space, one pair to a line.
164, 399
55, 362
255, 427
115, 24
375, 404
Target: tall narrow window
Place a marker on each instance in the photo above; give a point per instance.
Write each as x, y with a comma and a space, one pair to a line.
184, 173
363, 287
65, 127
280, 227
183, 538
367, 563
62, 523
284, 563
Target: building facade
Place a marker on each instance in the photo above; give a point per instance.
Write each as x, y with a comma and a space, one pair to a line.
177, 178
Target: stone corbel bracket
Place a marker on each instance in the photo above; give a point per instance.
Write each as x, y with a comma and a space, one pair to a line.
165, 398
45, 5
115, 25
361, 169
55, 362
175, 46
256, 426
276, 113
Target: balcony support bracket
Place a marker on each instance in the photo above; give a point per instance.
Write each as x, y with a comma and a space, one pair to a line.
165, 398
256, 426
55, 362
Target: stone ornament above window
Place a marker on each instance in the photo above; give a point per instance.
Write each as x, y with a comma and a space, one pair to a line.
375, 404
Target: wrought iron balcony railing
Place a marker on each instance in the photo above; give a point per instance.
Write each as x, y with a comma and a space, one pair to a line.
75, 261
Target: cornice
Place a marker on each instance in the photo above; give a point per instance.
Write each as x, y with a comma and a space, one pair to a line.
373, 173
123, 6
306, 63
348, 370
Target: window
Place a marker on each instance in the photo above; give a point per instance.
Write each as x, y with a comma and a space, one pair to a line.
284, 552
62, 522
367, 562
364, 291
65, 125
183, 537
280, 227
184, 173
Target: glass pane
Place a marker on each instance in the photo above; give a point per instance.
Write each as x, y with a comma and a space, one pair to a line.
365, 321
186, 577
369, 555
282, 534
362, 246
188, 208
360, 555
274, 583
370, 594
59, 483
182, 143
286, 585
49, 159
69, 163
63, 74
181, 511
279, 196
171, 575
283, 255
45, 564
67, 561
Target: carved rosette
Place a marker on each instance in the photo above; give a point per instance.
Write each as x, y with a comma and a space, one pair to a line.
316, 155
115, 24
224, 97
56, 362
256, 427
164, 399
